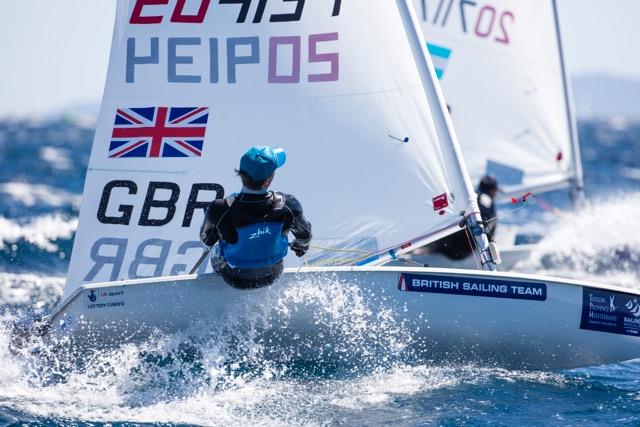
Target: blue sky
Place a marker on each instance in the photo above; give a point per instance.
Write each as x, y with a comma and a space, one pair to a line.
42, 70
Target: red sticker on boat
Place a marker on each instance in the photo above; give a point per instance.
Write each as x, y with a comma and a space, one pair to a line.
440, 202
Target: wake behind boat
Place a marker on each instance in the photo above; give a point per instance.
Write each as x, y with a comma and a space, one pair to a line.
364, 125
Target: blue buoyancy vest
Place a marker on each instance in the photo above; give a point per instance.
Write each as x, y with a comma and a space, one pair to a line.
260, 244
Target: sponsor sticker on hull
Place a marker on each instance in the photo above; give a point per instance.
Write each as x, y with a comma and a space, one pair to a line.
473, 286
609, 311
105, 298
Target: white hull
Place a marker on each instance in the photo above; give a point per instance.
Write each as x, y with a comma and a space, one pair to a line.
534, 334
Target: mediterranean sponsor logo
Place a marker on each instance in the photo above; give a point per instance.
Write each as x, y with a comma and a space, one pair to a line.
609, 311
473, 286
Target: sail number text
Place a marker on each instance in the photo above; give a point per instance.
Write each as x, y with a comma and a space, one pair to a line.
481, 20
156, 15
122, 204
240, 52
194, 59
156, 210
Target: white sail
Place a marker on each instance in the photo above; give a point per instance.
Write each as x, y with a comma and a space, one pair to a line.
345, 87
501, 69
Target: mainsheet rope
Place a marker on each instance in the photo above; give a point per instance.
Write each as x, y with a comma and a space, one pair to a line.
365, 255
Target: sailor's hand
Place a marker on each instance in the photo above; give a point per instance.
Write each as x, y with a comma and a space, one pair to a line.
299, 249
210, 238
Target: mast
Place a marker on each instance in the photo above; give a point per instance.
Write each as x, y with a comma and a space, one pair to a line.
444, 128
577, 183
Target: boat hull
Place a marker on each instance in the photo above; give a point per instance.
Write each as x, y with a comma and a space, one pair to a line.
512, 320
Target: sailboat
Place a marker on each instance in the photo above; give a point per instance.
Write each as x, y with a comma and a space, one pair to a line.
349, 90
502, 70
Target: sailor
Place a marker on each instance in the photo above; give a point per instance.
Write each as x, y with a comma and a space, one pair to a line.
457, 245
249, 229
487, 192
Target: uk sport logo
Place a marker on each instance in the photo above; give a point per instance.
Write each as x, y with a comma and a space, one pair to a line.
159, 132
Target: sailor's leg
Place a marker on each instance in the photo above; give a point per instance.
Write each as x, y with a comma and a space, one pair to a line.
251, 278
217, 262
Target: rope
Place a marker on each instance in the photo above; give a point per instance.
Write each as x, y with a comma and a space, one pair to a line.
359, 251
557, 212
350, 260
479, 261
364, 255
545, 206
475, 257
335, 261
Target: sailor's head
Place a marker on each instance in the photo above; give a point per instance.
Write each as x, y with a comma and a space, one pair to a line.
489, 185
258, 166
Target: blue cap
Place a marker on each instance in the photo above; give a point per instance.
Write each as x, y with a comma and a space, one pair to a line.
260, 162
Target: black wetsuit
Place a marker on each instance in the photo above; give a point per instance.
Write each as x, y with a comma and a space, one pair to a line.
224, 217
456, 246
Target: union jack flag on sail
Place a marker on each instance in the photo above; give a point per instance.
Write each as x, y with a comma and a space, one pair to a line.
159, 132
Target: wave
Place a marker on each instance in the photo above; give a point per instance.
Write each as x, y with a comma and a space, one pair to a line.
31, 195
631, 173
58, 158
230, 373
35, 292
41, 232
170, 381
598, 242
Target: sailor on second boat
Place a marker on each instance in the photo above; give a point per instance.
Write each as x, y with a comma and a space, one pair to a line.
251, 227
457, 245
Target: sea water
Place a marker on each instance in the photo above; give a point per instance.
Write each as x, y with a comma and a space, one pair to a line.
229, 375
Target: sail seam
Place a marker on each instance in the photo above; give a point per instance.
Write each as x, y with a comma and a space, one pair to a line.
353, 94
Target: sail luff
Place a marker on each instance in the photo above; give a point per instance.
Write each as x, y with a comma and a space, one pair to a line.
578, 182
435, 98
120, 10
444, 126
